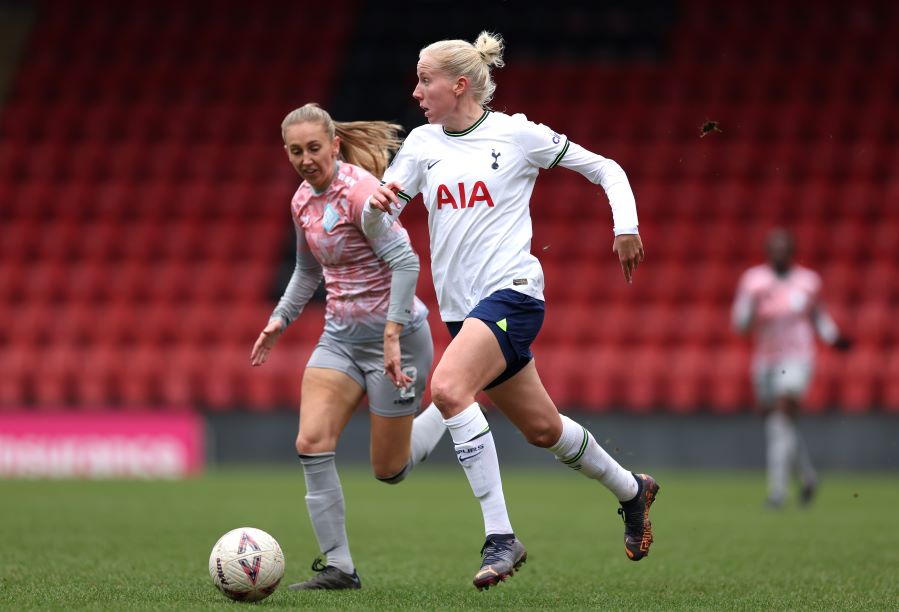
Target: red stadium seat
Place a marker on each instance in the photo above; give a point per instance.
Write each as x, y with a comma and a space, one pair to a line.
858, 391
144, 219
729, 388
689, 376
891, 382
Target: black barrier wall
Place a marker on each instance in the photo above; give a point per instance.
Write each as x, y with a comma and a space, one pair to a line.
861, 442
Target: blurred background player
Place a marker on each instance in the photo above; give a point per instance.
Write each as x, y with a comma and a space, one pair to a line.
376, 338
780, 302
476, 170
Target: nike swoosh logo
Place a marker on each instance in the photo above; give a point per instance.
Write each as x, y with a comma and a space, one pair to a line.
434, 164
467, 457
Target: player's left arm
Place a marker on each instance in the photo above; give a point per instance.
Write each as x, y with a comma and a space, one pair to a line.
611, 177
547, 149
827, 328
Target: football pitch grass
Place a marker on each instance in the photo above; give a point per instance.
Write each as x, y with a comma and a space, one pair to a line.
145, 545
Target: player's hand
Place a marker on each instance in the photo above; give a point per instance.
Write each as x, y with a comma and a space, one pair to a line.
630, 253
843, 344
266, 342
393, 366
384, 196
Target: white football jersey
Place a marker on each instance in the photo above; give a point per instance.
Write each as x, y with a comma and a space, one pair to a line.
477, 186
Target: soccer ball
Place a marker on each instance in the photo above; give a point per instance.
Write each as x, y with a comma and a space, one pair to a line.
246, 564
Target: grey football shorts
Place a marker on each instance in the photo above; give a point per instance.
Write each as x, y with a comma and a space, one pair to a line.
789, 377
364, 363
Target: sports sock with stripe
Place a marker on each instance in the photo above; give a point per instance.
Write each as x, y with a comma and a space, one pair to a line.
579, 450
476, 453
324, 500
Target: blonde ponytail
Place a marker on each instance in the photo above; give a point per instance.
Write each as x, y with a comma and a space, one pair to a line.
368, 143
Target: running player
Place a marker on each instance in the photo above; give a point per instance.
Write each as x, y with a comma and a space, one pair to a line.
476, 170
780, 302
376, 338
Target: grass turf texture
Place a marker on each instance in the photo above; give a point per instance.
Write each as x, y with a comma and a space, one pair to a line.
145, 545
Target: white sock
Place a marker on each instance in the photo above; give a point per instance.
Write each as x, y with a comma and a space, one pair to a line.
324, 500
427, 429
578, 449
476, 453
780, 434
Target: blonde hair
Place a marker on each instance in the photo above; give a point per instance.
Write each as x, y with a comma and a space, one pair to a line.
363, 143
457, 58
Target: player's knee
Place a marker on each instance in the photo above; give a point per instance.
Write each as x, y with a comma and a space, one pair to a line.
390, 475
308, 445
447, 396
543, 434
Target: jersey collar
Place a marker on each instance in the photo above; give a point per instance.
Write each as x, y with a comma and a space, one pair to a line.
470, 129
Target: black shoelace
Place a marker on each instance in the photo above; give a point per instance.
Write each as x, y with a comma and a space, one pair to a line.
495, 550
318, 565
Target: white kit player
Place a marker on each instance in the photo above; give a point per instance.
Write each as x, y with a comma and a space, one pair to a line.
780, 302
476, 170
376, 338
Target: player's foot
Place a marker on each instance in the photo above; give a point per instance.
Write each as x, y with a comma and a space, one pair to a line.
775, 503
807, 493
637, 526
328, 577
503, 554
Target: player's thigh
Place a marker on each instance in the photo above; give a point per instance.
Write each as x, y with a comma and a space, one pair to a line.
470, 362
390, 443
392, 409
525, 402
763, 386
328, 398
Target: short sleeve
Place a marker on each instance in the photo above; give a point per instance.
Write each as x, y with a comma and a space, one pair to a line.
542, 146
814, 284
405, 168
745, 284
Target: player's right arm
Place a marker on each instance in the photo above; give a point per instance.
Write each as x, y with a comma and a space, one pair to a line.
401, 182
743, 309
307, 274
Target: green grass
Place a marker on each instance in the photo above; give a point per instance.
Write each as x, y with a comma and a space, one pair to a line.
145, 545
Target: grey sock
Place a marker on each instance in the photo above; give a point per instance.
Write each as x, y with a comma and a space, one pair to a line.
324, 500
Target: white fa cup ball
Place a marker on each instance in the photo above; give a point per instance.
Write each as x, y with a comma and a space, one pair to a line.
246, 564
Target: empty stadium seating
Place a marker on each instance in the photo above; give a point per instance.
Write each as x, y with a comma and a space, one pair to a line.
145, 201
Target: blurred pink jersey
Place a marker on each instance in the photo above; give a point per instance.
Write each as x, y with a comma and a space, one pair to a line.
783, 310
357, 281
